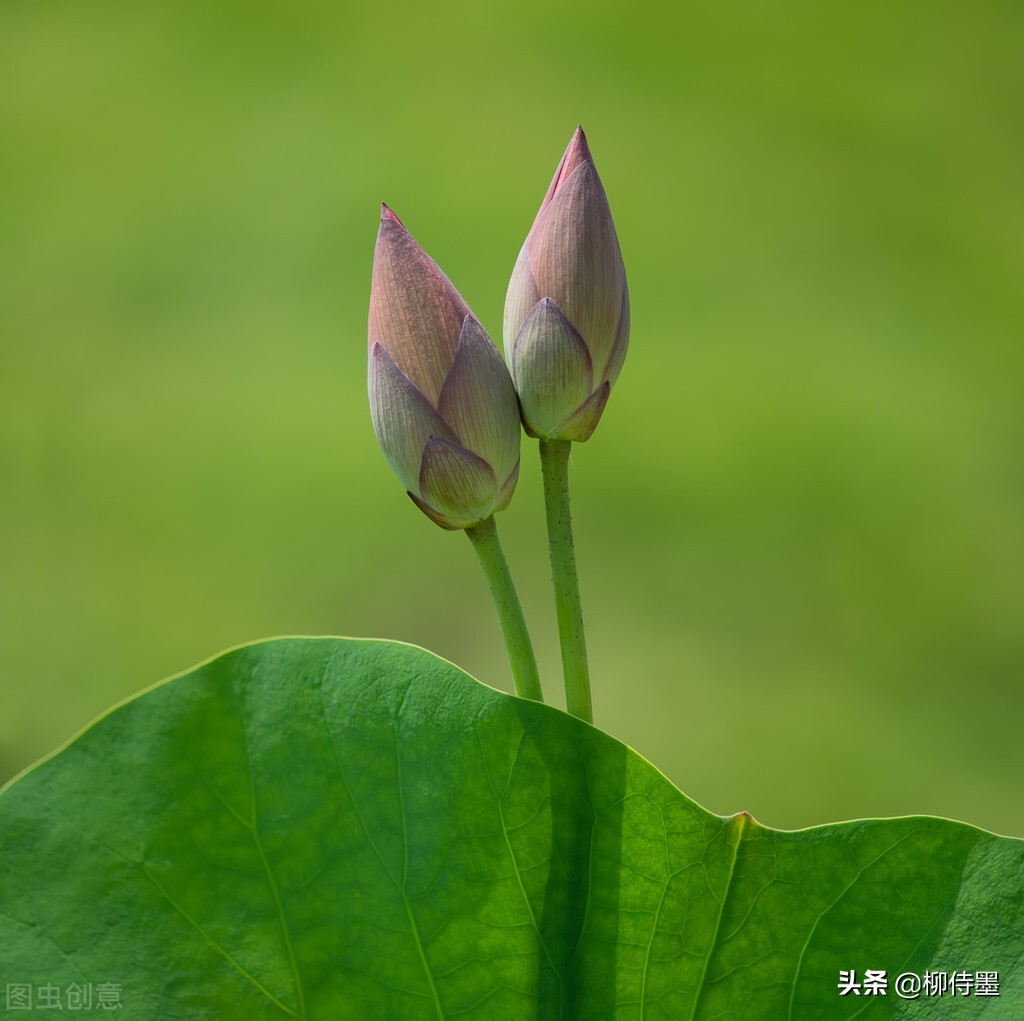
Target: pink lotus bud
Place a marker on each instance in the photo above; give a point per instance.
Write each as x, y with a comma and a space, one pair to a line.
442, 402
567, 307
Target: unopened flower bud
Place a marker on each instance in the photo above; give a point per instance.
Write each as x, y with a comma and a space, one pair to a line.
567, 308
442, 402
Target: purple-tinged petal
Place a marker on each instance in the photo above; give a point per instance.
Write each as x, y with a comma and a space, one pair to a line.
479, 402
455, 482
415, 312
575, 258
580, 425
618, 352
521, 296
402, 417
551, 368
576, 152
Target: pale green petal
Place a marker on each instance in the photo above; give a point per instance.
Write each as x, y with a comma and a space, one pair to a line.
452, 524
551, 368
479, 402
455, 482
402, 417
580, 425
522, 295
507, 489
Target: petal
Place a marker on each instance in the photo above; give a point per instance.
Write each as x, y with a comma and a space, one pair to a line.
439, 519
574, 254
479, 402
618, 352
402, 417
521, 296
455, 482
415, 312
551, 367
580, 425
507, 489
577, 152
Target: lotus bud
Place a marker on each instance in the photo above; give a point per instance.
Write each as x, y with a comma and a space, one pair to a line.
442, 402
567, 308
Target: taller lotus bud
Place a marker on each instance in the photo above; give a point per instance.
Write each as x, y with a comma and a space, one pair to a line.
567, 308
442, 402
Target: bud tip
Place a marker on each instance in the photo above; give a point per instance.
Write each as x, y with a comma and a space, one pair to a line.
386, 213
577, 152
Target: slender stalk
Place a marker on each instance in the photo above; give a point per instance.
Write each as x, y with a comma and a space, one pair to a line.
484, 537
554, 462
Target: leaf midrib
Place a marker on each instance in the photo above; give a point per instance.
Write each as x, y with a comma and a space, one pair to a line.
739, 823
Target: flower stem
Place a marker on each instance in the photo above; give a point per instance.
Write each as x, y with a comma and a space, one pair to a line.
484, 537
554, 462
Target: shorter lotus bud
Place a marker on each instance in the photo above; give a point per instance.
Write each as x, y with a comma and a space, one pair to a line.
442, 402
567, 308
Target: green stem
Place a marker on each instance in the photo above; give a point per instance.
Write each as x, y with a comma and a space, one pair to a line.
554, 462
484, 537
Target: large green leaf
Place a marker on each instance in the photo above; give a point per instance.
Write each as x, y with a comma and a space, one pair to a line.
325, 828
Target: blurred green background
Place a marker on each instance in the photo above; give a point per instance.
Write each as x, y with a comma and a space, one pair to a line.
799, 525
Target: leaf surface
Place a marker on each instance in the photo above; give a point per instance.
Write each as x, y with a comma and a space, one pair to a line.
332, 829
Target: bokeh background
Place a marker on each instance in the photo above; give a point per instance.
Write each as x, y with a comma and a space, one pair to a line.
800, 525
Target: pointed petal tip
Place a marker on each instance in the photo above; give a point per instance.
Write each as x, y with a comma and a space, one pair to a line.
579, 146
388, 214
576, 153
580, 425
439, 519
507, 489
